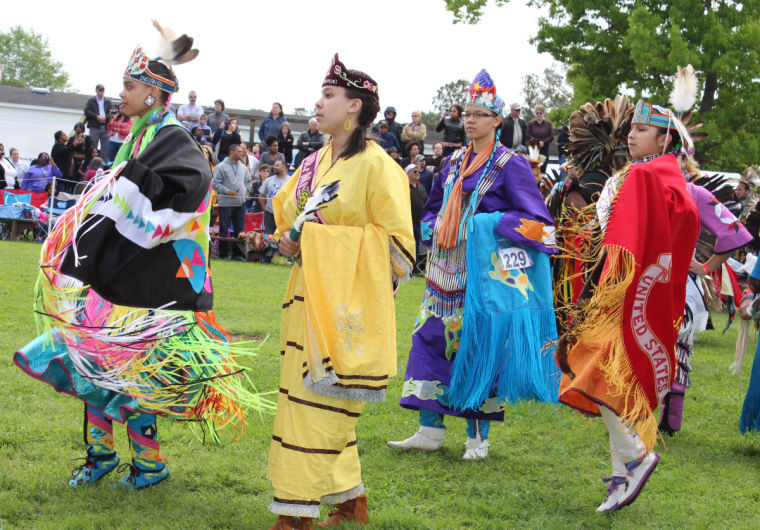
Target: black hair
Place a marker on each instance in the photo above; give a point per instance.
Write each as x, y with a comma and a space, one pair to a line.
58, 135
370, 107
79, 125
161, 69
195, 129
269, 139
675, 138
460, 109
409, 148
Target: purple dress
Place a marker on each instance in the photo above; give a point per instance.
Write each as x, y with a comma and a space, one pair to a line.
509, 188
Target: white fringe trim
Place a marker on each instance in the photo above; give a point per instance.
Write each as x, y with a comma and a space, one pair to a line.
400, 262
294, 510
325, 387
337, 498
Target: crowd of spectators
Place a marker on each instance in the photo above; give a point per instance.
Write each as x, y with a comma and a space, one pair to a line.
246, 174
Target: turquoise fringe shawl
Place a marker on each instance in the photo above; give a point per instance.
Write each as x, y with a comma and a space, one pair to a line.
507, 325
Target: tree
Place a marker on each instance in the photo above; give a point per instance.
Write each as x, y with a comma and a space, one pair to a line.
27, 61
431, 119
551, 90
450, 93
634, 47
301, 111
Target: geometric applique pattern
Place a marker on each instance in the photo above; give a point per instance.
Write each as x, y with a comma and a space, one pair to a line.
192, 263
516, 278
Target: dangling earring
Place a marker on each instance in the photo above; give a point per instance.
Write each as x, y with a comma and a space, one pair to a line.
149, 101
347, 124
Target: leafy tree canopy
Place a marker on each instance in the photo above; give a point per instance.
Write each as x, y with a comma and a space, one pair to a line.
450, 93
634, 47
26, 61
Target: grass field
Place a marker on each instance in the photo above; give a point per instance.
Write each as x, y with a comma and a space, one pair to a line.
543, 471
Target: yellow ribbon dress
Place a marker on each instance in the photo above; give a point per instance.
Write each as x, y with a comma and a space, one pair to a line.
338, 332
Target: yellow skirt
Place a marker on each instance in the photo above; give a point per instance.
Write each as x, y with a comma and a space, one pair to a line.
313, 457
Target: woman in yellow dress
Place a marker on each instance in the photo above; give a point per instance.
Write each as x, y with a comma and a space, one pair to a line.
338, 332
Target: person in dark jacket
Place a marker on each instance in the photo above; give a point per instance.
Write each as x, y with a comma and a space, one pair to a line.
393, 127
453, 129
97, 110
285, 142
310, 141
541, 131
418, 196
227, 136
61, 155
513, 130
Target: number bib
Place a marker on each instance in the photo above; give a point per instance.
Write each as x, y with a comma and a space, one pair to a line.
514, 258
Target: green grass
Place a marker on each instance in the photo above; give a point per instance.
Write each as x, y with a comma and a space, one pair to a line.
543, 471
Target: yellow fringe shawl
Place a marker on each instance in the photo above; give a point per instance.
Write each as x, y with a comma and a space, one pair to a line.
601, 328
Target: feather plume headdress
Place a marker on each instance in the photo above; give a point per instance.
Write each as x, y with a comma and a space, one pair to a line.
599, 135
171, 50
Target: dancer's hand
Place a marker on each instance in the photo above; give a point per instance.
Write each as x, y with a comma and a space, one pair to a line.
288, 247
561, 356
744, 309
697, 268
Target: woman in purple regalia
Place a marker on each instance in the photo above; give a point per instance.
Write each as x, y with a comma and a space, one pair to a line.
730, 234
483, 178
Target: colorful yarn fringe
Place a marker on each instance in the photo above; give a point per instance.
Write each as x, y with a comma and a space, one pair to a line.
176, 363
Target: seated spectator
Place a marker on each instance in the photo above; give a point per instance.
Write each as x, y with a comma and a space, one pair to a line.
269, 189
310, 141
386, 139
82, 168
208, 131
285, 142
256, 182
226, 136
393, 153
216, 118
412, 150
249, 159
427, 176
270, 126
272, 155
415, 131
257, 149
40, 175
200, 136
208, 152
118, 129
92, 168
435, 160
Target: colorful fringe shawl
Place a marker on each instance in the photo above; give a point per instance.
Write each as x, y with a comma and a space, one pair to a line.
446, 268
508, 329
635, 312
177, 363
